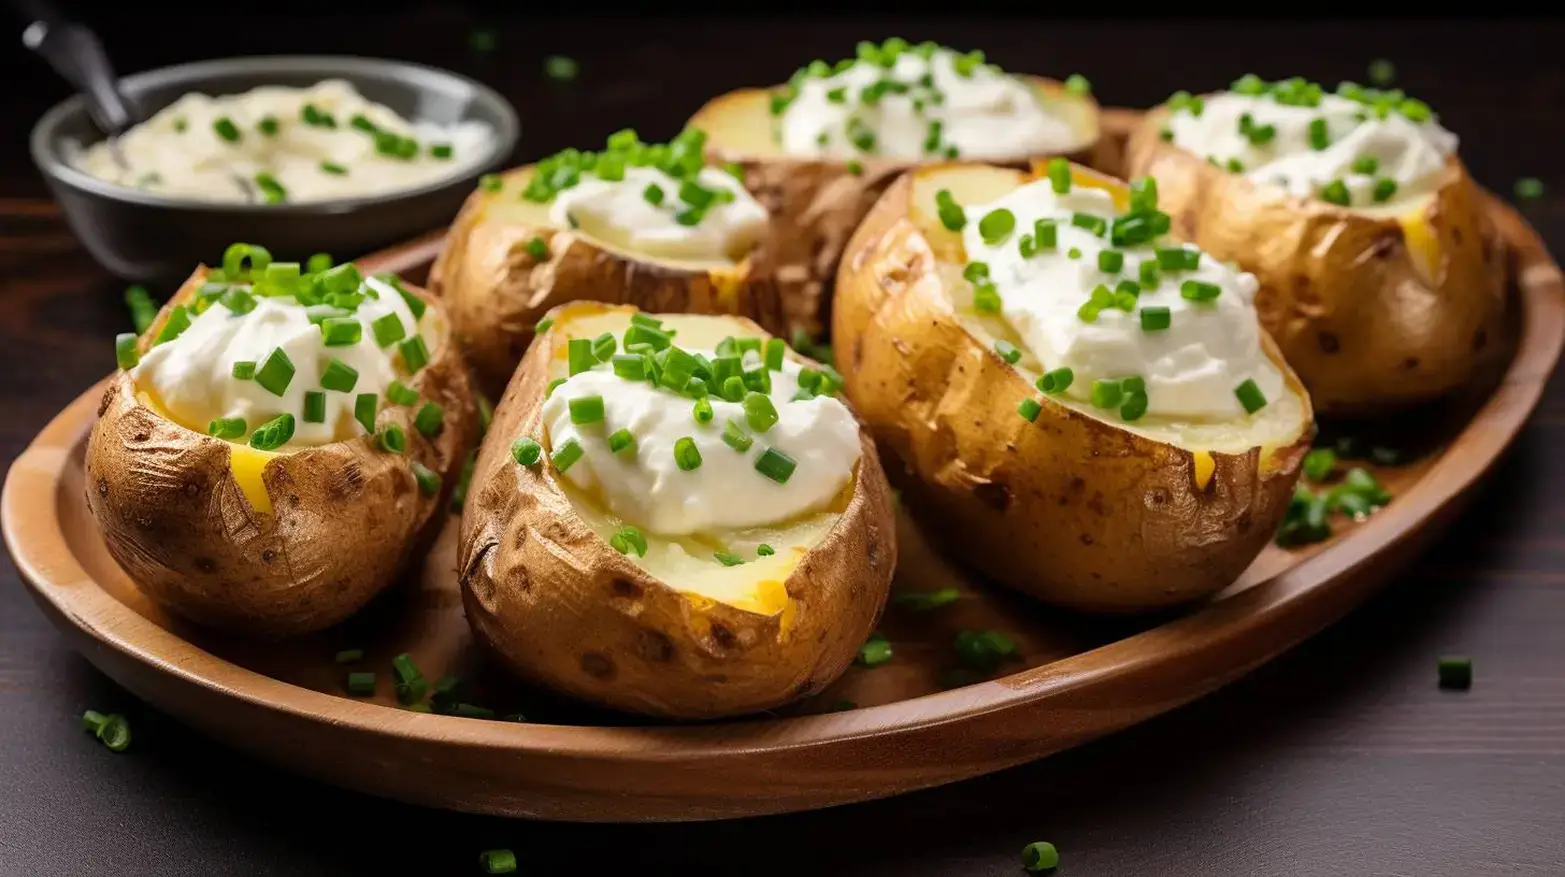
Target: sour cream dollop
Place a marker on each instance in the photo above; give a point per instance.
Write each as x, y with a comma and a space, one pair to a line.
1353, 152
276, 144
646, 212
929, 103
646, 487
192, 376
1192, 368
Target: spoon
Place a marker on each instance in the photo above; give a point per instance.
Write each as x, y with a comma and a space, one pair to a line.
77, 55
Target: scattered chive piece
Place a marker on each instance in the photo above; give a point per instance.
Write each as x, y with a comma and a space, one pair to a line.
566, 455
579, 355
1111, 261
1029, 409
176, 324
428, 480
774, 351
1528, 189
1155, 319
1134, 407
1198, 290
401, 394
561, 68
276, 373
231, 427
764, 550
410, 684
996, 226
341, 331
225, 128
364, 405
759, 412
1078, 84
949, 212
314, 406
1040, 856
735, 437
686, 455
1336, 192
1059, 173
1366, 165
1106, 394
621, 440
553, 385
603, 347
1456, 673
349, 656
1250, 396
113, 732
430, 419
702, 411
491, 183
1382, 72
1007, 351
125, 354
92, 720
538, 250
361, 684
923, 601
727, 559
1319, 464
984, 651
1385, 187
497, 861
628, 539
526, 451
586, 410
143, 310
875, 651
1056, 381
776, 465
388, 330
543, 326
339, 376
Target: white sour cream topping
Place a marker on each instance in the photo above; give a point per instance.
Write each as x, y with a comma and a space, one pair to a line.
1410, 154
1191, 369
988, 114
191, 377
619, 212
648, 490
179, 152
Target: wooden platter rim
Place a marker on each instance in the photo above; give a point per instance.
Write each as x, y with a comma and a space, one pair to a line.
35, 535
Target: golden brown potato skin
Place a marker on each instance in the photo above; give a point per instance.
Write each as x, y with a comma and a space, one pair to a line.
346, 516
816, 205
1069, 509
1365, 327
565, 610
496, 292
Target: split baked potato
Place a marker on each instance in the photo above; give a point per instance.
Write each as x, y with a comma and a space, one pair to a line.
508, 260
1048, 494
249, 530
688, 626
1378, 303
817, 199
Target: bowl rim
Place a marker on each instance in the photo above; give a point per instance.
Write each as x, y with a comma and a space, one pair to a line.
54, 166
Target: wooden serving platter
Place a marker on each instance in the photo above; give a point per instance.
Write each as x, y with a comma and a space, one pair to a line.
907, 724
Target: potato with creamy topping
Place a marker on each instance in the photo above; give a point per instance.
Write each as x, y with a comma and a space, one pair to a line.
1381, 276
675, 515
278, 443
821, 148
1086, 408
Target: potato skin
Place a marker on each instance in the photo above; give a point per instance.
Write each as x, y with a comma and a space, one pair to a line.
1069, 509
817, 204
1364, 326
346, 516
565, 610
496, 291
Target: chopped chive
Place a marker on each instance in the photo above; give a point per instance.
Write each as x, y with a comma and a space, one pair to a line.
1111, 261
727, 559
996, 226
537, 249
1040, 856
1199, 290
339, 376
401, 394
586, 410
1095, 224
430, 419
1029, 409
1078, 84
735, 437
526, 451
113, 732
764, 550
603, 347
686, 455
314, 406
1056, 381
1178, 259
392, 439
776, 465
1385, 187
759, 412
428, 480
1366, 165
923, 601
1155, 319
1250, 396
229, 427
1134, 405
175, 325
364, 405
387, 329
1336, 192
276, 372
1319, 463
566, 455
497, 861
1059, 173
1007, 351
361, 684
1528, 189
774, 352
414, 354
579, 355
273, 434
125, 353
225, 128
949, 212
1456, 673
875, 651
629, 539
621, 440
1106, 394
702, 411
349, 656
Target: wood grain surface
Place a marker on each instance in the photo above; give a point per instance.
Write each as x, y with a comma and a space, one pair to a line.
1340, 758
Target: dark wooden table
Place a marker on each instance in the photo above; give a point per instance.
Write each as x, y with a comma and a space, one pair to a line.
1341, 758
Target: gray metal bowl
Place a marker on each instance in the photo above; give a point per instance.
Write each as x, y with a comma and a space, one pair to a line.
148, 237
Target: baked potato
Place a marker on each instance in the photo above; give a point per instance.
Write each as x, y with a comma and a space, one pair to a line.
819, 192
614, 567
1382, 277
1048, 441
234, 473
520, 246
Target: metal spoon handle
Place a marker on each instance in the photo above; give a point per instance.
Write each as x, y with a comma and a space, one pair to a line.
76, 54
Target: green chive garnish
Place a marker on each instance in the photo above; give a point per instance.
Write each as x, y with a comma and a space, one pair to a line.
273, 434
759, 412
1040, 856
276, 372
430, 419
735, 437
586, 410
497, 861
686, 455
1106, 394
428, 480
1029, 409
227, 428
875, 651
1456, 672
314, 406
388, 330
364, 405
727, 559
566, 455
629, 539
526, 451
776, 465
1155, 319
764, 550
1007, 351
621, 440
1336, 192
1056, 381
415, 355
1199, 290
392, 439
996, 226
361, 684
339, 376
1250, 396
1319, 463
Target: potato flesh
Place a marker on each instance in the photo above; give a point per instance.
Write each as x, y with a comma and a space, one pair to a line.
1278, 425
508, 206
686, 563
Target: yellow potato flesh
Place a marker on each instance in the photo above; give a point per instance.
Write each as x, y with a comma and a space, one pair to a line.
508, 206
686, 563
1277, 425
246, 463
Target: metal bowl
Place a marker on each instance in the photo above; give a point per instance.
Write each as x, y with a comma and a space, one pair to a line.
142, 236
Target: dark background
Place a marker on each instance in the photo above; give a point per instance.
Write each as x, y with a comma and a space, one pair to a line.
1341, 758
